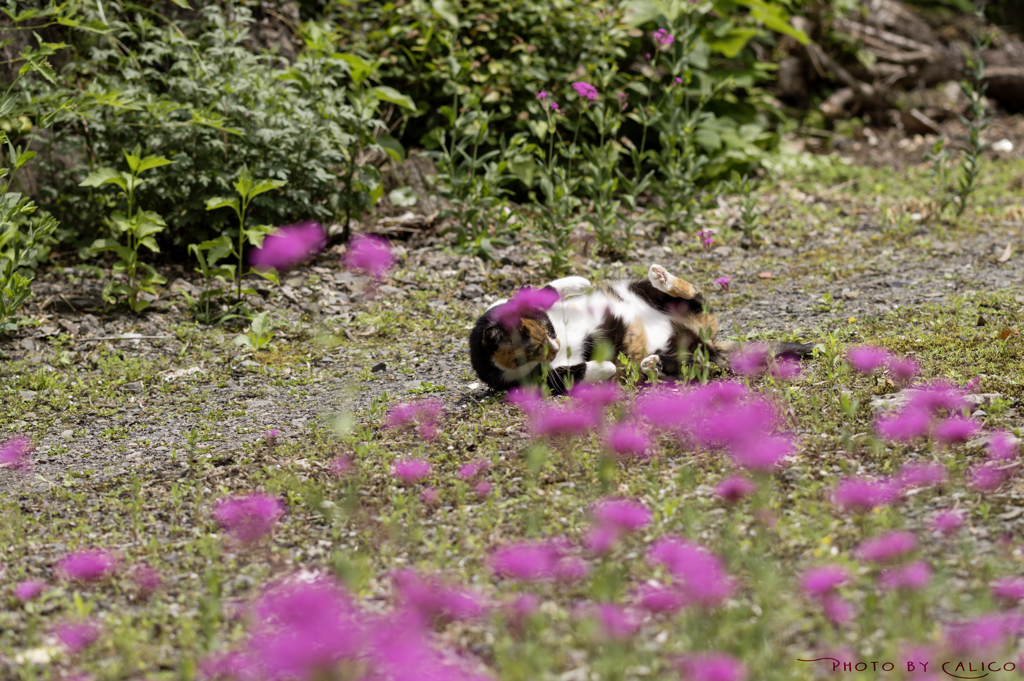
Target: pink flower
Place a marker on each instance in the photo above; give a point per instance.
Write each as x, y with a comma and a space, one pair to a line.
912, 577
15, 454
289, 246
431, 599
956, 429
1009, 590
554, 106
430, 496
526, 561
921, 475
569, 570
271, 437
601, 539
623, 101
370, 254
785, 369
903, 370
227, 666
762, 453
661, 600
341, 466
983, 633
411, 471
707, 238
663, 39
752, 360
87, 566
1002, 447
423, 413
522, 608
617, 623
623, 515
542, 94
887, 547
985, 477
867, 359
473, 469
862, 494
528, 399
626, 440
556, 421
248, 518
585, 90
837, 610
712, 667
482, 489
910, 424
723, 283
146, 579
29, 589
76, 636
735, 488
527, 302
947, 522
703, 577
819, 581
597, 396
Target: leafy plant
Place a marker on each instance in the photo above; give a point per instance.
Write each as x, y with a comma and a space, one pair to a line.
941, 172
208, 254
749, 215
248, 189
973, 87
138, 228
259, 334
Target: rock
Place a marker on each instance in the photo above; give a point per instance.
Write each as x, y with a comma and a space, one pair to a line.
379, 367
471, 291
295, 282
916, 123
27, 394
133, 387
249, 364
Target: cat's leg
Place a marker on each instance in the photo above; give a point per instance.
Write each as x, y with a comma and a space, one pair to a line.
585, 372
570, 286
650, 363
671, 284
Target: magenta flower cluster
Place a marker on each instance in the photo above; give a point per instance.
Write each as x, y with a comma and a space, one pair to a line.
370, 254
868, 359
423, 414
698, 575
612, 519
87, 566
527, 302
14, 454
585, 90
289, 246
249, 518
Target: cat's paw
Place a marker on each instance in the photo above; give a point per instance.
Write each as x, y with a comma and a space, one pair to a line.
660, 277
570, 286
599, 371
650, 363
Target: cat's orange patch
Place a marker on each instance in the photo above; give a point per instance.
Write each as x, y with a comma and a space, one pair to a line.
530, 345
680, 288
636, 340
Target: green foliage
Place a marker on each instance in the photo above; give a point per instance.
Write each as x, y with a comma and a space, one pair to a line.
973, 87
248, 189
137, 227
259, 334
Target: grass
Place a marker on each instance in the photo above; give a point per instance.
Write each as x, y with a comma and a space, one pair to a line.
363, 526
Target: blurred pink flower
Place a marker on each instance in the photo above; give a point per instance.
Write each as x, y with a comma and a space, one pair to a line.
887, 547
984, 633
227, 666
837, 610
87, 566
907, 425
921, 475
431, 599
556, 421
147, 580
661, 599
528, 399
542, 94
785, 369
570, 570
823, 580
14, 453
762, 453
341, 466
411, 471
663, 39
289, 246
704, 579
29, 589
585, 90
271, 437
474, 468
903, 369
735, 488
867, 359
520, 609
621, 514
626, 440
370, 254
911, 577
248, 518
598, 396
863, 494
424, 414
482, 489
527, 302
601, 539
723, 283
947, 522
1009, 590
76, 636
956, 429
617, 622
985, 477
528, 561
1002, 447
752, 360
430, 496
707, 239
712, 667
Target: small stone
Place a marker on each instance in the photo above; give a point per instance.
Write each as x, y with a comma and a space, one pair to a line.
472, 291
133, 387
249, 364
764, 275
379, 367
27, 394
295, 282
67, 434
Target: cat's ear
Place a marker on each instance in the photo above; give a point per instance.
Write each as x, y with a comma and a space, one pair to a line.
494, 334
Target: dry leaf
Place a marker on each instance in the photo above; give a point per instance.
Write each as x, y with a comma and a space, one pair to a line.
764, 275
1006, 333
1007, 252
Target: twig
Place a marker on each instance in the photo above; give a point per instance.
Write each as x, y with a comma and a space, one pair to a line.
115, 338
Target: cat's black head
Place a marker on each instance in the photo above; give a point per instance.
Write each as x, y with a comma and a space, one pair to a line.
495, 350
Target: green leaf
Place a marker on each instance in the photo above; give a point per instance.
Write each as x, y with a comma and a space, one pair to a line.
255, 235
153, 162
392, 146
265, 186
358, 67
403, 197
24, 158
244, 184
524, 169
133, 161
102, 176
733, 42
774, 17
182, 3
269, 275
441, 9
221, 202
390, 94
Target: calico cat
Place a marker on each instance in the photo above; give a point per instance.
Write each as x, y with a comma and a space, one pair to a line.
659, 322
